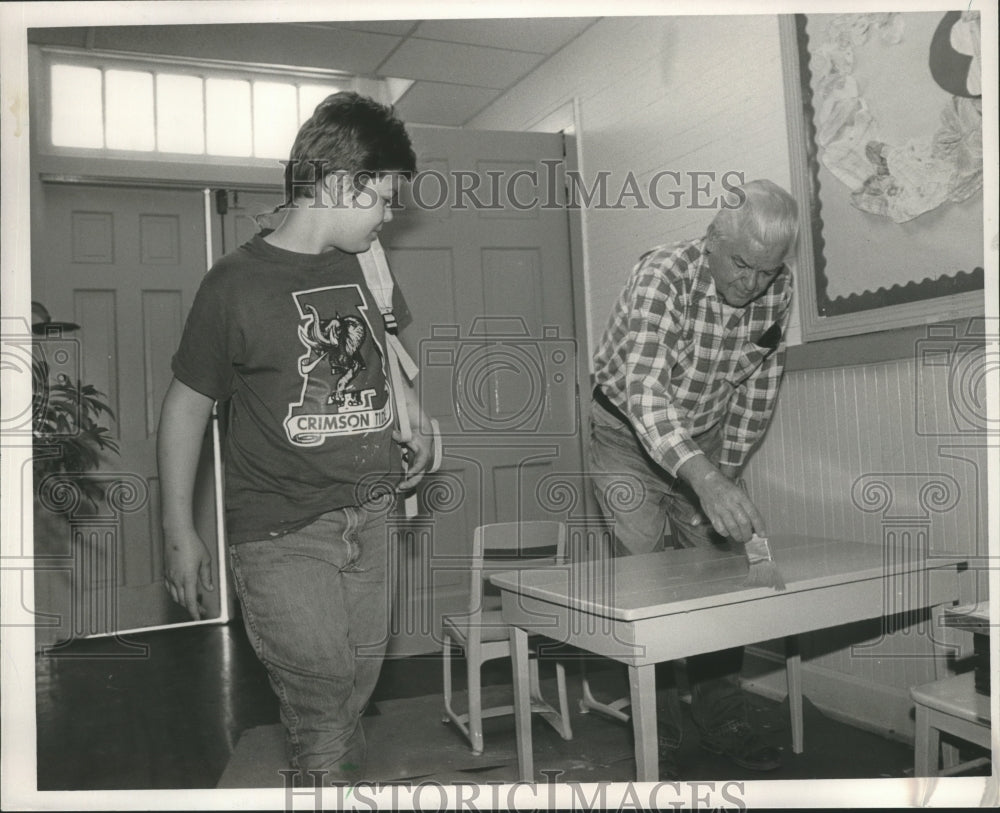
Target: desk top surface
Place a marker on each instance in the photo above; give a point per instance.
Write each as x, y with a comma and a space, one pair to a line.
677, 581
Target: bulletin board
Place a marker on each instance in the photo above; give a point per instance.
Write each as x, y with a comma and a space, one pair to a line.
885, 130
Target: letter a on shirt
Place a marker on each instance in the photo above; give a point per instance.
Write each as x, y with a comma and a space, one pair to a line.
344, 384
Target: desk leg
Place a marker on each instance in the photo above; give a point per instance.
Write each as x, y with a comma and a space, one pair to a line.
793, 674
642, 680
522, 702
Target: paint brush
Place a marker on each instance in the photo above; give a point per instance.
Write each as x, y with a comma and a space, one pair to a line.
763, 571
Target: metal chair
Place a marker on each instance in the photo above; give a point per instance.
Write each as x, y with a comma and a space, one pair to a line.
481, 632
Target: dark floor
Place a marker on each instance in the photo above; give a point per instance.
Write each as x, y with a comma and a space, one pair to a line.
167, 711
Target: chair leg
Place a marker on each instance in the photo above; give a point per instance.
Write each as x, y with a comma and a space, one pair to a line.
588, 701
446, 661
567, 729
558, 719
534, 681
475, 704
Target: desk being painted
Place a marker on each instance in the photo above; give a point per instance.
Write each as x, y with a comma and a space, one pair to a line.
641, 610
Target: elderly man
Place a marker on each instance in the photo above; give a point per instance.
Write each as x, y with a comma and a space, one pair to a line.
686, 377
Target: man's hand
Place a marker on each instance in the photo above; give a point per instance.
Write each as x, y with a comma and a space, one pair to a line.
187, 566
727, 506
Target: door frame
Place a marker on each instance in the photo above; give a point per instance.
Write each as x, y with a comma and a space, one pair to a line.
580, 275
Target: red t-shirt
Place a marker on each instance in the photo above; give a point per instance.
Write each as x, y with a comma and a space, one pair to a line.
295, 343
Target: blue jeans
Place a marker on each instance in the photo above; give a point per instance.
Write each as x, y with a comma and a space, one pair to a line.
640, 526
316, 608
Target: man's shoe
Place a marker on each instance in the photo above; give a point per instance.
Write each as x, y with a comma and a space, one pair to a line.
740, 743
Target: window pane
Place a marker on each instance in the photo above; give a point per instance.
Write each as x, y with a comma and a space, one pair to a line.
310, 96
128, 99
77, 107
227, 103
274, 119
180, 114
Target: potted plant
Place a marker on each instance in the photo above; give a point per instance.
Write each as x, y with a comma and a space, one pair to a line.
69, 439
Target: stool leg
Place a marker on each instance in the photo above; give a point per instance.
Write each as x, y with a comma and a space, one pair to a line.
567, 730
949, 755
925, 754
793, 674
446, 662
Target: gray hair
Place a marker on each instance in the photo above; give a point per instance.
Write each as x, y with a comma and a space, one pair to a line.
766, 215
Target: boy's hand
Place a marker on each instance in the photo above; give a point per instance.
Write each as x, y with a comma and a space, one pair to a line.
187, 564
418, 453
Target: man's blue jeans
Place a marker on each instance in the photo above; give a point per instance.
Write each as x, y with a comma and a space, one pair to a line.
316, 608
617, 457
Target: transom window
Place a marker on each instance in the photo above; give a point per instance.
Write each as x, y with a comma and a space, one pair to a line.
125, 105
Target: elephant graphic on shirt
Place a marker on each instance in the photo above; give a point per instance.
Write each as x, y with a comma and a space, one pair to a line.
338, 341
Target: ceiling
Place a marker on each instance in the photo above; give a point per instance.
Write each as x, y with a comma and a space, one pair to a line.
441, 72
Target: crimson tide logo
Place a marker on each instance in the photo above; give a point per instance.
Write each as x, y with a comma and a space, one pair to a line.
344, 382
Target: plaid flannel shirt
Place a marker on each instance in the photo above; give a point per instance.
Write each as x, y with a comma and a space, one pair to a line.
678, 362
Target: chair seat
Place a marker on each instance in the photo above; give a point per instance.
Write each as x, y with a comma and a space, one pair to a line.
955, 696
491, 621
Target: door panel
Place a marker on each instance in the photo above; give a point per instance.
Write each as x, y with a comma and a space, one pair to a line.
124, 264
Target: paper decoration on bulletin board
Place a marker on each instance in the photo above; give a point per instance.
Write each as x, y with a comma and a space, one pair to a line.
893, 108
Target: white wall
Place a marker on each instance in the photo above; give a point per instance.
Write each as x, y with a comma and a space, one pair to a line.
658, 93
894, 428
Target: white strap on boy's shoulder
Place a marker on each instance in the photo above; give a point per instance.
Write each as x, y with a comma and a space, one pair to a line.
376, 270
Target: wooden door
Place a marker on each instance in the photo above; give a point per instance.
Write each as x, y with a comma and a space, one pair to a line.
487, 277
234, 216
124, 263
